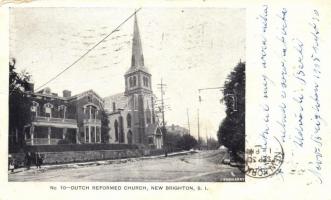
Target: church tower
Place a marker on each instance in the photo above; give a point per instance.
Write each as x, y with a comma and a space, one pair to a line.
138, 89
137, 78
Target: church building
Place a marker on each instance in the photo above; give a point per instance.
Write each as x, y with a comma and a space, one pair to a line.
132, 119
77, 119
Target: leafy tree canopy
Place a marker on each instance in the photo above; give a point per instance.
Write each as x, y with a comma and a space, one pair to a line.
19, 113
231, 132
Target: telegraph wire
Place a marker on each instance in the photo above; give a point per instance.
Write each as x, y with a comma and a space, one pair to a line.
88, 51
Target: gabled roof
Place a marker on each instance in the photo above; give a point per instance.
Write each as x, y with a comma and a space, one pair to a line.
88, 92
121, 101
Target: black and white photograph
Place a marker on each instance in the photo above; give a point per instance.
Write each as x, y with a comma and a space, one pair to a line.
126, 94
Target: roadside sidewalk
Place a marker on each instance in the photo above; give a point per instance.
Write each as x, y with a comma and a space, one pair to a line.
96, 163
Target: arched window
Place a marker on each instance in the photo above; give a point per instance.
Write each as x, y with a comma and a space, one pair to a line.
128, 120
130, 82
121, 130
129, 136
145, 81
116, 130
134, 81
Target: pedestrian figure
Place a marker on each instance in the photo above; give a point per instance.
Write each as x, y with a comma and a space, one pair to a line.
28, 160
39, 160
11, 165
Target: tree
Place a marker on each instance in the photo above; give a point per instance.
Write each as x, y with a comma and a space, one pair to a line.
176, 141
231, 132
172, 141
19, 106
104, 127
187, 142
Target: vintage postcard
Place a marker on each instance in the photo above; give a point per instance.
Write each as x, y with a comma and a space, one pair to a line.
165, 99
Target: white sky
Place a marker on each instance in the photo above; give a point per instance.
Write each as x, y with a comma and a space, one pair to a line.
190, 48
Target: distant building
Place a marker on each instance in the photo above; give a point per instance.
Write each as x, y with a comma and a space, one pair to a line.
76, 119
176, 129
131, 113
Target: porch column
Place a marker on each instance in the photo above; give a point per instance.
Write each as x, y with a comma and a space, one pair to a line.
99, 134
95, 134
49, 135
84, 134
89, 134
77, 140
64, 133
32, 133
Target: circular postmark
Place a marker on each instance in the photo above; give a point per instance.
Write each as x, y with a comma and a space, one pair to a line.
262, 162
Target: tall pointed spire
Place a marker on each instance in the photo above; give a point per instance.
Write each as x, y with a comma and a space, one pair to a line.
137, 78
137, 51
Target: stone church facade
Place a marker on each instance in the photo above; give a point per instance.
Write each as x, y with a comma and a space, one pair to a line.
131, 113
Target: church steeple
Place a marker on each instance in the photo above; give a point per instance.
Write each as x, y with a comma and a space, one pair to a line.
137, 78
137, 51
137, 59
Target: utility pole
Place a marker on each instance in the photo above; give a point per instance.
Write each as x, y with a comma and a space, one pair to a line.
188, 122
163, 121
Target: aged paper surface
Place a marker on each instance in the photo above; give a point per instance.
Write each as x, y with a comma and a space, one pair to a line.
285, 47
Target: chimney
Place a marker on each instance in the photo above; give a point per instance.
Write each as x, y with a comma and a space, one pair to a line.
66, 93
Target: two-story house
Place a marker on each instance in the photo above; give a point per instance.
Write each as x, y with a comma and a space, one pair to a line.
63, 119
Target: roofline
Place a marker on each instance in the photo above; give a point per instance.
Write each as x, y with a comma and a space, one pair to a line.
45, 95
131, 71
80, 94
114, 95
64, 98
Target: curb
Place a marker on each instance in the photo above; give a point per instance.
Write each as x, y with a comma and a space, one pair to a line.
100, 162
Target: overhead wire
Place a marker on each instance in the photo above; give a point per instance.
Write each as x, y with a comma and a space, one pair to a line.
88, 51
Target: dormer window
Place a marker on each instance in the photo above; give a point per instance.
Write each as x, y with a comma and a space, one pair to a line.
34, 108
48, 109
62, 111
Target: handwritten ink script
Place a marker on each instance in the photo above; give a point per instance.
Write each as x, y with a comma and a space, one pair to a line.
289, 62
